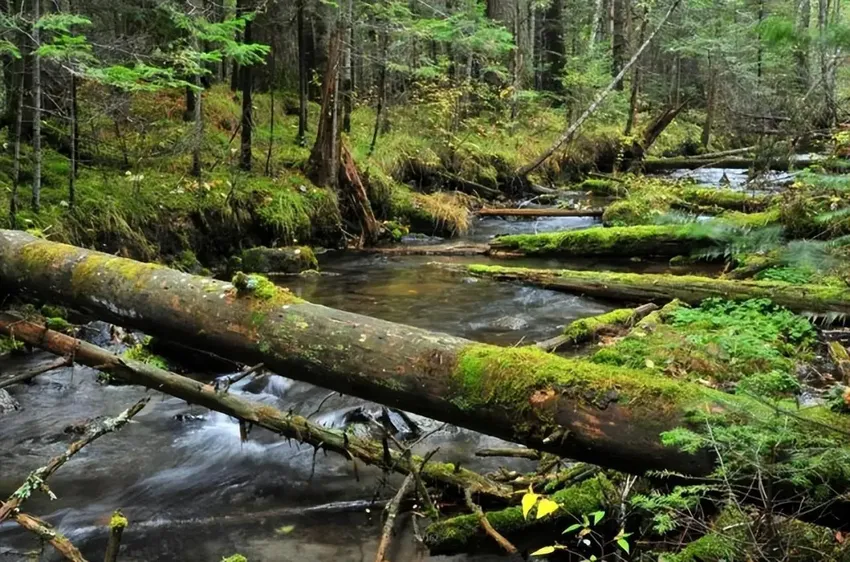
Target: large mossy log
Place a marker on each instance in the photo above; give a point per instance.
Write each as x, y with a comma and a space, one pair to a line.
628, 241
691, 289
610, 416
535, 212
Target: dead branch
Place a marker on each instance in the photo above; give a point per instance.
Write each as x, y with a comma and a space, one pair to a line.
24, 377
392, 512
485, 524
509, 452
47, 533
37, 480
117, 524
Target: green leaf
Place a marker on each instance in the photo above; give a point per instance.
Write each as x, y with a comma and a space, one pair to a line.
624, 544
286, 529
572, 528
597, 516
528, 501
546, 507
544, 551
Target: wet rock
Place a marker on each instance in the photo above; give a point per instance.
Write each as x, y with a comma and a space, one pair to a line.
469, 280
511, 323
7, 403
278, 260
189, 417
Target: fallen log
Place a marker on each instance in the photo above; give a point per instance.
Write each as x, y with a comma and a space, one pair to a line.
651, 287
541, 212
50, 535
288, 425
458, 249
589, 329
653, 165
611, 416
630, 241
723, 199
522, 395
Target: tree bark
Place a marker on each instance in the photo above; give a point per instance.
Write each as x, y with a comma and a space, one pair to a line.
618, 40
351, 184
247, 78
709, 104
16, 162
636, 78
382, 89
303, 79
323, 166
801, 49
568, 407
72, 176
36, 115
691, 289
347, 74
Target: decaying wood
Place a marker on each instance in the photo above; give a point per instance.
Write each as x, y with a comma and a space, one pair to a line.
351, 185
838, 354
37, 479
509, 452
48, 534
392, 512
288, 425
592, 330
541, 212
691, 289
24, 377
485, 524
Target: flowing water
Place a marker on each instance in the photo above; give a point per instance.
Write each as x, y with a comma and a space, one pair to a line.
194, 492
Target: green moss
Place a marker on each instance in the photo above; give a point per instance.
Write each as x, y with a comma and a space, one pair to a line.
724, 198
141, 353
59, 325
586, 328
625, 241
508, 377
234, 558
603, 187
118, 521
279, 260
751, 220
463, 532
260, 288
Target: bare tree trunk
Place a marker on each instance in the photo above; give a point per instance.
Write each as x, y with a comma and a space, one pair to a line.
199, 129
618, 39
247, 78
72, 177
636, 78
16, 162
597, 32
382, 89
709, 103
347, 82
323, 166
570, 132
303, 79
36, 116
801, 50
272, 88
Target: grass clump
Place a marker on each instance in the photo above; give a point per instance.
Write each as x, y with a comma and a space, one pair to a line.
142, 354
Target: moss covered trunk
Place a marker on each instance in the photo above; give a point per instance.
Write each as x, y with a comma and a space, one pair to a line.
623, 241
692, 289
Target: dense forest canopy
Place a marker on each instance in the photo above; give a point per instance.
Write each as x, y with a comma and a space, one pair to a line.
182, 169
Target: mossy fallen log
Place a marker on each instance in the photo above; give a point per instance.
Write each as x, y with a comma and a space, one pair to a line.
691, 289
612, 416
464, 533
630, 241
540, 212
278, 260
652, 165
724, 199
588, 329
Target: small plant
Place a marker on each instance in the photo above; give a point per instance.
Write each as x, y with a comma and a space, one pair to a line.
587, 535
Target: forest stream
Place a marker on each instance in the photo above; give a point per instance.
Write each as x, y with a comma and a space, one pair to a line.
192, 490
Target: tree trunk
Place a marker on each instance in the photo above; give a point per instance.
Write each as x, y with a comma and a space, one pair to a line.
198, 129
347, 82
382, 89
272, 88
597, 28
303, 79
636, 78
350, 183
323, 166
16, 161
705, 139
607, 415
691, 289
36, 116
801, 50
618, 40
553, 50
72, 176
247, 78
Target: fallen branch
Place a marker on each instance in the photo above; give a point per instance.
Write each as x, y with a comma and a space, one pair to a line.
37, 479
541, 212
589, 329
24, 377
287, 425
47, 533
509, 452
485, 524
392, 512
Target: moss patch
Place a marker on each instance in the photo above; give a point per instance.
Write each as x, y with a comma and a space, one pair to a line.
585, 329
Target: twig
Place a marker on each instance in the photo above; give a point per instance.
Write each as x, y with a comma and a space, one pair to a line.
47, 533
392, 513
509, 452
38, 478
24, 377
246, 373
485, 524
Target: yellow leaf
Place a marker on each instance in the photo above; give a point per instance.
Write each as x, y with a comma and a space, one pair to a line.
545, 507
285, 530
543, 551
528, 501
650, 364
